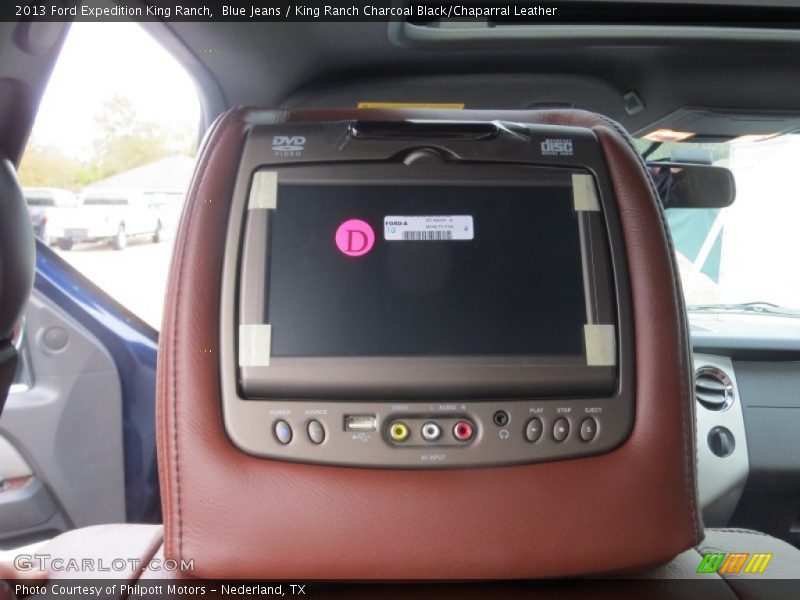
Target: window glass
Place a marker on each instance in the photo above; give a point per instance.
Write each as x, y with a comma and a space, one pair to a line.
105, 201
744, 254
109, 160
39, 199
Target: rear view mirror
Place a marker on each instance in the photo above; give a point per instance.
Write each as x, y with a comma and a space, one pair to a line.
685, 185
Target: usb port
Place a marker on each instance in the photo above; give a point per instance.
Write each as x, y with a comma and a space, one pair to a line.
360, 423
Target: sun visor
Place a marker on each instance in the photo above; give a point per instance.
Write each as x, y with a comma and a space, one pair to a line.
719, 125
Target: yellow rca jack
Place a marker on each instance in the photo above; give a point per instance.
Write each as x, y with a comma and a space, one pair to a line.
399, 432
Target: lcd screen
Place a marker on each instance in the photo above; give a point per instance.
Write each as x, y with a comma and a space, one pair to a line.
424, 270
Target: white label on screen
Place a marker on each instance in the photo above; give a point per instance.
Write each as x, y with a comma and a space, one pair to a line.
432, 228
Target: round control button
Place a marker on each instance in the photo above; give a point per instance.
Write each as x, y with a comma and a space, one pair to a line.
560, 429
316, 432
283, 431
533, 430
588, 429
721, 442
55, 338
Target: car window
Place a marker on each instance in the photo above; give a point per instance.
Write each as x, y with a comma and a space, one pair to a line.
39, 200
741, 258
105, 201
109, 160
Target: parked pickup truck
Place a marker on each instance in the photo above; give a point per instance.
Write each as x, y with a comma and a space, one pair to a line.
43, 205
112, 216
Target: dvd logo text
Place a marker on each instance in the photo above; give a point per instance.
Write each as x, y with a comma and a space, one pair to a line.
288, 145
551, 147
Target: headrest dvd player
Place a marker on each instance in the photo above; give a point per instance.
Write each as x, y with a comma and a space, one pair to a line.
421, 294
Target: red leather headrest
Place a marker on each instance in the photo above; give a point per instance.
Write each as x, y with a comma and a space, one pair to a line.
240, 516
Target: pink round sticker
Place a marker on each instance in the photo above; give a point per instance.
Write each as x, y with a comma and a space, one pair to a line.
355, 237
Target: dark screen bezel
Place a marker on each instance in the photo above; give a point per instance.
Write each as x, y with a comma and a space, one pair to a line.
438, 376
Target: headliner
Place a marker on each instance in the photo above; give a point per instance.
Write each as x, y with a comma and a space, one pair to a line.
338, 64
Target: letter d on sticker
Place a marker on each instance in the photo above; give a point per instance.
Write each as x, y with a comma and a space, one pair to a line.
355, 237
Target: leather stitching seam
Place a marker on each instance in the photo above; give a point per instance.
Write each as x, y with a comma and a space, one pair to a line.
688, 443
213, 144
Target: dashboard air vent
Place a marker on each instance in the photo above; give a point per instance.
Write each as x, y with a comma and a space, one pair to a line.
713, 388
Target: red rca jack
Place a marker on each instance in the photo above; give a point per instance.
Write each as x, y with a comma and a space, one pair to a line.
463, 431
